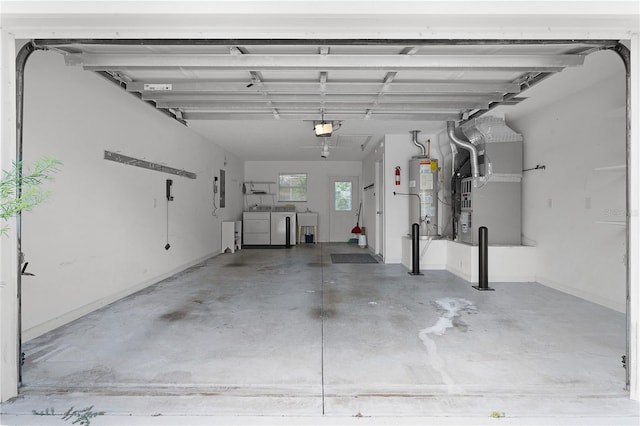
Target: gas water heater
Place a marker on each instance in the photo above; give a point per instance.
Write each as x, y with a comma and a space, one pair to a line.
423, 190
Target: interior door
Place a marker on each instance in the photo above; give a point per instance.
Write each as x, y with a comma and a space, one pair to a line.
344, 194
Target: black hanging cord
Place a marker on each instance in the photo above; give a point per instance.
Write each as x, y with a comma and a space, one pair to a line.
169, 197
537, 167
167, 246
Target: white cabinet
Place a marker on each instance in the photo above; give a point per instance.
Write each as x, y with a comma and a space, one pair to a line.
279, 228
231, 236
256, 228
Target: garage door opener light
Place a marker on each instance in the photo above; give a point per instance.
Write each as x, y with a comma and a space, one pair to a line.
323, 129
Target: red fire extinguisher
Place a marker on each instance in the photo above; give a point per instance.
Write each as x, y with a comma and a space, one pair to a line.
397, 175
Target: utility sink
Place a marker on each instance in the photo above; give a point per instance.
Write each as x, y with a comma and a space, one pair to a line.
308, 219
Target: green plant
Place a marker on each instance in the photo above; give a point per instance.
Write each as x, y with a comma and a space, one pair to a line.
82, 417
29, 181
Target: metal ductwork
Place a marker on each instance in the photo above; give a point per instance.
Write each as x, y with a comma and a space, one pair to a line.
494, 200
473, 150
418, 144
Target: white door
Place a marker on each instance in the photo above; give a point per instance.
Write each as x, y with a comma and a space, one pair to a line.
379, 201
344, 194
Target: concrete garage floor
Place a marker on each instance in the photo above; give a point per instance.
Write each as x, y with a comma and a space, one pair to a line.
268, 336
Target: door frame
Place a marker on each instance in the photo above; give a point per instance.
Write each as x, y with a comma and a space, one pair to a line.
354, 204
379, 206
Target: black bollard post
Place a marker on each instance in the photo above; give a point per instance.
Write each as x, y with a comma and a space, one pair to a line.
415, 250
483, 260
287, 221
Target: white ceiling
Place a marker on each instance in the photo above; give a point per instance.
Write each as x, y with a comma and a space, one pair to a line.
260, 98
378, 58
295, 140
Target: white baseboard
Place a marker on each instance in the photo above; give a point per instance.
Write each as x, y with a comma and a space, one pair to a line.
66, 318
460, 273
590, 297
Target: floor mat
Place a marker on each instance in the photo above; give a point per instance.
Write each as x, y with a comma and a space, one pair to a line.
352, 258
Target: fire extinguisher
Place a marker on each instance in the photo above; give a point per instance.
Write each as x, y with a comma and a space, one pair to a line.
397, 175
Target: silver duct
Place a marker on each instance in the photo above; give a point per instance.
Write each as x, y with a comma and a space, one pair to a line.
473, 150
454, 154
418, 144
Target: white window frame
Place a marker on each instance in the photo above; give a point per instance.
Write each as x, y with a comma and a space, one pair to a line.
280, 199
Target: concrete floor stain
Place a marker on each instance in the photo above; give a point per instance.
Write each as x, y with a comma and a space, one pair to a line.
321, 314
332, 296
451, 308
373, 354
174, 316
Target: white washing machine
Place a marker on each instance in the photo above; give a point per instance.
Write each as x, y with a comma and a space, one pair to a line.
279, 215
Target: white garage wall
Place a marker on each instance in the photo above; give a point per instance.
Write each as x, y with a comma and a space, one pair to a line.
396, 207
101, 235
318, 191
574, 211
398, 151
369, 208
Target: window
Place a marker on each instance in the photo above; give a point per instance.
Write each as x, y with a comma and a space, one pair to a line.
342, 191
292, 187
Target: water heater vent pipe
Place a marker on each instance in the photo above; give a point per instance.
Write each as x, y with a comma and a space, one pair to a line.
418, 144
473, 150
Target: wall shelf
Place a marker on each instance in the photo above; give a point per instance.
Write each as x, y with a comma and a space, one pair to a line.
263, 189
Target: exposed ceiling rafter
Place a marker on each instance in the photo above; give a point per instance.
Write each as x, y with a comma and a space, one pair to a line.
256, 78
520, 62
331, 97
350, 86
302, 116
431, 80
